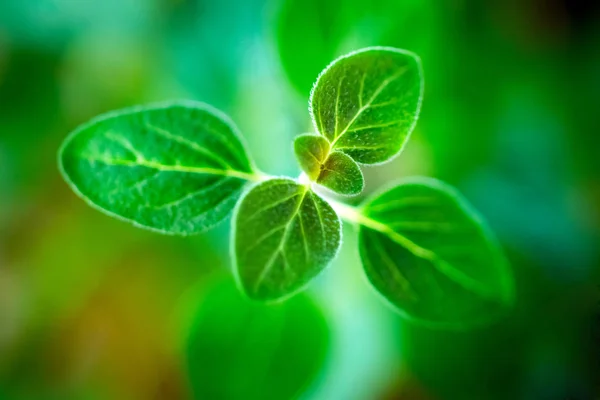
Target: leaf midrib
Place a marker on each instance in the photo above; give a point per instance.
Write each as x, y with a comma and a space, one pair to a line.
446, 268
364, 107
284, 238
173, 168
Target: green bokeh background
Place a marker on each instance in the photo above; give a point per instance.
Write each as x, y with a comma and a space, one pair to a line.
93, 308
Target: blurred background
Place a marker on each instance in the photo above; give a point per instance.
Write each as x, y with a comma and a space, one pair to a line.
93, 308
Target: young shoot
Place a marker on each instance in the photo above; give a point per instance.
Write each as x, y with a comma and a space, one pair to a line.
180, 168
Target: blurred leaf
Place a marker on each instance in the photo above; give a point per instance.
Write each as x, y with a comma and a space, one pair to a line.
427, 252
367, 102
176, 168
336, 171
329, 29
28, 87
242, 350
492, 360
284, 235
323, 25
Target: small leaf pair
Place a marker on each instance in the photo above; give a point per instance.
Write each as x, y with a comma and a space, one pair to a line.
364, 106
181, 168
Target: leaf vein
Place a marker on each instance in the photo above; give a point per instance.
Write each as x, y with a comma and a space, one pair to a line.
321, 224
446, 268
379, 89
337, 101
361, 90
280, 248
395, 270
172, 168
126, 144
304, 242
384, 125
270, 206
188, 196
264, 237
189, 144
402, 203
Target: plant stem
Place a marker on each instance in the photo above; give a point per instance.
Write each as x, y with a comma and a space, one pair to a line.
303, 179
355, 215
348, 213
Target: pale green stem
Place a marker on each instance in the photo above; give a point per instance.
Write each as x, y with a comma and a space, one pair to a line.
303, 179
346, 212
260, 176
355, 215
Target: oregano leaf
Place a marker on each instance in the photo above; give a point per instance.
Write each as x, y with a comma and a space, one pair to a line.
341, 174
334, 170
311, 152
237, 349
324, 25
284, 235
426, 250
175, 168
367, 103
331, 28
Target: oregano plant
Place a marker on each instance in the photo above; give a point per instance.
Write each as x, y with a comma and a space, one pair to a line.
181, 168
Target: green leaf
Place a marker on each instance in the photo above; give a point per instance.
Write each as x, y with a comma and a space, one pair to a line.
336, 171
242, 350
284, 235
341, 174
334, 27
323, 24
425, 250
366, 103
311, 152
176, 168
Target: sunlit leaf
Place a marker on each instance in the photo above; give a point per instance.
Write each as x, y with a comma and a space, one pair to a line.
336, 170
367, 102
247, 351
341, 174
176, 168
284, 235
311, 152
430, 255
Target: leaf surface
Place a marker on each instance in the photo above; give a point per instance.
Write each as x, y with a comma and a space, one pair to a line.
176, 168
311, 152
432, 257
284, 235
341, 174
366, 103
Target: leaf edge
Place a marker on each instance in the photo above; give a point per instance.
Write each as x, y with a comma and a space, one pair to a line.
419, 63
138, 108
509, 302
233, 258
